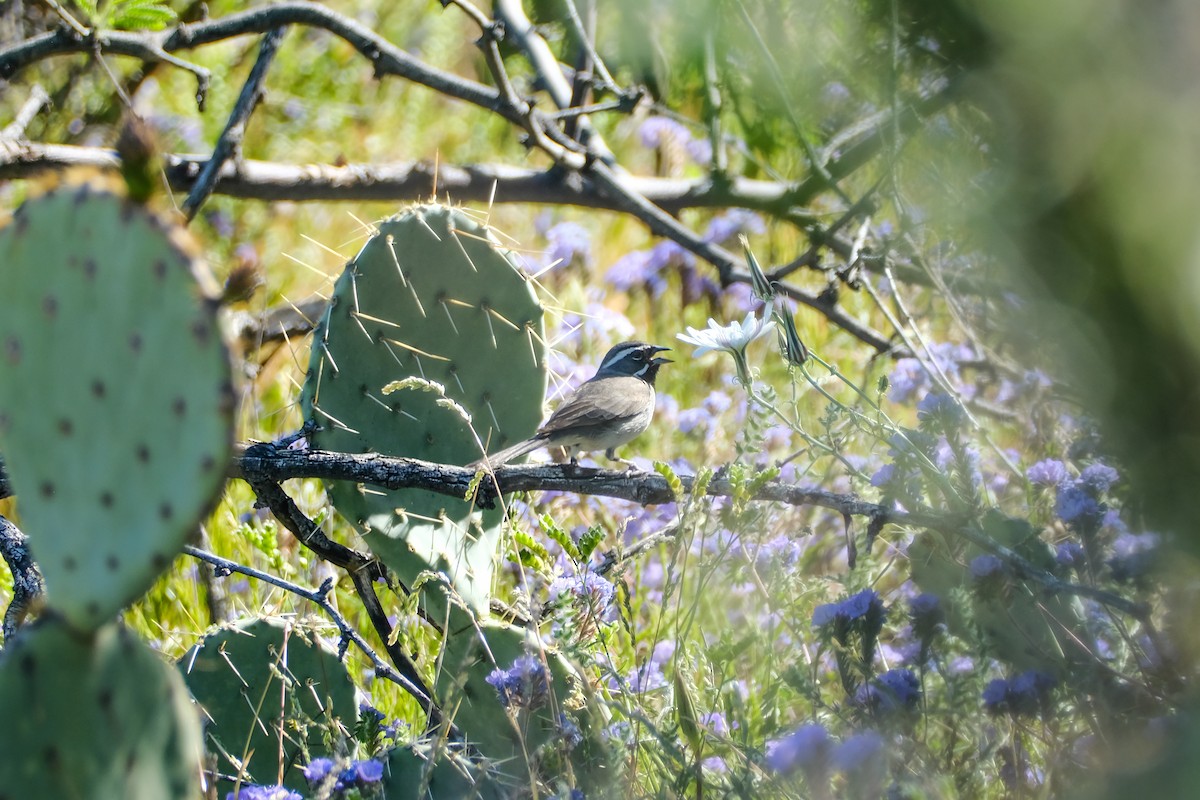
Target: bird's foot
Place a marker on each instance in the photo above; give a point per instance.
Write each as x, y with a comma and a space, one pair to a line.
626, 465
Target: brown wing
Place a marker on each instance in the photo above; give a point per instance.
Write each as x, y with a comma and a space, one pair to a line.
600, 402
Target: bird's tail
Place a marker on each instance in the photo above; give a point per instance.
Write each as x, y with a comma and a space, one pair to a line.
508, 454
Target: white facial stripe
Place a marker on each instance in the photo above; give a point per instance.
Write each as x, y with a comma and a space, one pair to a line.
619, 355
641, 371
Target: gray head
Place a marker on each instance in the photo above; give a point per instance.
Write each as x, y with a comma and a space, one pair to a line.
633, 358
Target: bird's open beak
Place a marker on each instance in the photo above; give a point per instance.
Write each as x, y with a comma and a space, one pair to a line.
661, 360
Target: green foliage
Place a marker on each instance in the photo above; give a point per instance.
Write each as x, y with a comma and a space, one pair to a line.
1016, 623
115, 396
93, 717
128, 14
274, 697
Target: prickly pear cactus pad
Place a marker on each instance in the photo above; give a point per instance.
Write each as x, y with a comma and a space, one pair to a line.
115, 396
269, 691
430, 296
95, 716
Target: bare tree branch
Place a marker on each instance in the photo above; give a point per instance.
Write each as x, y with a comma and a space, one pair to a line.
265, 464
229, 144
27, 581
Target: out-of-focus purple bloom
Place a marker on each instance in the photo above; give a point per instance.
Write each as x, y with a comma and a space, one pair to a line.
590, 591
1133, 556
648, 677
941, 410
926, 614
692, 418
858, 753
663, 651
633, 269
986, 566
781, 552
717, 402
865, 605
1048, 472
253, 792
369, 771
835, 92
700, 151
669, 253
523, 685
571, 735
883, 476
807, 749
906, 379
370, 712
724, 227
894, 690
715, 764
1069, 554
1113, 522
1024, 695
1074, 503
716, 724
658, 131
995, 696
318, 770
1099, 477
568, 243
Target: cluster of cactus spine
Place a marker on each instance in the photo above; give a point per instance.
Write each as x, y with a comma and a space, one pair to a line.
271, 693
432, 301
116, 424
431, 296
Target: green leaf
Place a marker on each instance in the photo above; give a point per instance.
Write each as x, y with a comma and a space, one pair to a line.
685, 710
673, 482
140, 15
559, 535
589, 541
532, 546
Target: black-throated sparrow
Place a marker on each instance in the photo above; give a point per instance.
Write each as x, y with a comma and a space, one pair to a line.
609, 409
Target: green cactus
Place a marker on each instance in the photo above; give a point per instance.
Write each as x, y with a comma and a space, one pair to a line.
115, 396
506, 735
1018, 624
94, 716
273, 697
411, 773
430, 296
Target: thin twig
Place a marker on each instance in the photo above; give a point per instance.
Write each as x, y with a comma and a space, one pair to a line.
229, 144
320, 596
29, 109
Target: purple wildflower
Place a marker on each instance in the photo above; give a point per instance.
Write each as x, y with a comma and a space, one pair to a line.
1048, 472
724, 227
1099, 477
568, 243
1069, 554
318, 770
523, 685
657, 131
858, 753
1074, 503
986, 566
591, 592
253, 792
926, 614
807, 749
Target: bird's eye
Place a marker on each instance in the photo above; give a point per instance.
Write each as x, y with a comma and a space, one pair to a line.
639, 356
